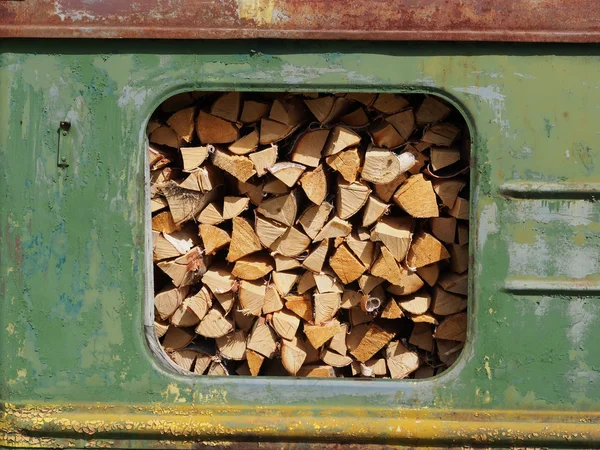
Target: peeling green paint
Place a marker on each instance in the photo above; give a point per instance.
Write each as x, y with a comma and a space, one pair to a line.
72, 259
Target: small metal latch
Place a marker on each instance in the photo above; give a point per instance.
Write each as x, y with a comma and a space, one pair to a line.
62, 153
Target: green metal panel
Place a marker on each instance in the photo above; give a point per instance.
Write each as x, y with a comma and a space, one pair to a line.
75, 368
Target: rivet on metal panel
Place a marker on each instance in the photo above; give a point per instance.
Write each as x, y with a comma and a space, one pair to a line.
63, 131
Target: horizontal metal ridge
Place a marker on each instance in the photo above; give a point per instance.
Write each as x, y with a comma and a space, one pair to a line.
543, 189
553, 286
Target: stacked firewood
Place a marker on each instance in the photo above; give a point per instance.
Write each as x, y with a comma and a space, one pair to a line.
318, 235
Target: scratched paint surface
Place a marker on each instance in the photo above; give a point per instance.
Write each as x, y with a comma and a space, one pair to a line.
72, 260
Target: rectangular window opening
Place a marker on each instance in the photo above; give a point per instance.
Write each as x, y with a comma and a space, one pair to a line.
310, 234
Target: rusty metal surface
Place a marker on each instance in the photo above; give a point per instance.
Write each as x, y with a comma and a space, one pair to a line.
481, 20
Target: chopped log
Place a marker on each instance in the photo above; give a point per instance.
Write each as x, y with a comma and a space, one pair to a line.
239, 166
374, 340
272, 131
283, 263
213, 238
460, 209
459, 255
228, 106
395, 233
284, 282
292, 357
233, 345
441, 134
317, 335
214, 130
336, 227
368, 282
211, 215
410, 284
422, 337
340, 138
214, 324
350, 198
385, 135
192, 310
314, 184
268, 231
401, 361
264, 160
355, 336
389, 103
168, 300
431, 110
262, 339
311, 371
338, 341
417, 303
346, 266
453, 328
370, 304
226, 300
443, 157
462, 234
242, 319
158, 203
347, 163
417, 198
272, 301
177, 102
193, 157
383, 166
320, 107
246, 144
185, 204
403, 122
293, 242
308, 148
443, 228
283, 209
420, 159
244, 240
358, 316
364, 98
182, 240
255, 361
425, 250
234, 206
424, 318
253, 111
285, 323
350, 299
217, 369
392, 310
430, 273
160, 328
374, 210
326, 282
253, 267
251, 295
289, 111
364, 250
306, 282
334, 359
287, 172
326, 306
218, 278
447, 190
387, 267
183, 123
446, 303
423, 372
315, 260
373, 367
184, 358
455, 283
177, 338
356, 119
301, 306
314, 217
187, 269
165, 136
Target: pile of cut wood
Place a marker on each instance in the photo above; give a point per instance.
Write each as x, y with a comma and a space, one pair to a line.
319, 235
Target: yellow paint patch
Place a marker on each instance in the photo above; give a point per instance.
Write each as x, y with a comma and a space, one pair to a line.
259, 11
524, 236
10, 329
172, 394
579, 239
488, 369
